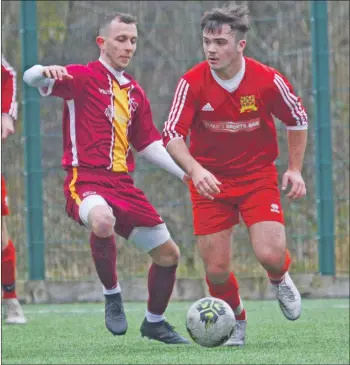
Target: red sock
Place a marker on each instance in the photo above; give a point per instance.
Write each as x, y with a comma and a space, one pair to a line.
277, 278
104, 253
229, 293
161, 280
8, 271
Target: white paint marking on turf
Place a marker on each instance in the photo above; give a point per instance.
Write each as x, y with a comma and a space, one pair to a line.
343, 306
66, 311
82, 311
101, 310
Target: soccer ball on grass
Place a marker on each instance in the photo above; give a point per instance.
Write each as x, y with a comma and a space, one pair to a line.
210, 322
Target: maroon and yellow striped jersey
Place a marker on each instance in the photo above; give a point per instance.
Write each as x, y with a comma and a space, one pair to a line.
102, 119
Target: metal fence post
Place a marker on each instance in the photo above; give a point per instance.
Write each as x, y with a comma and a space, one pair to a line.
32, 146
323, 137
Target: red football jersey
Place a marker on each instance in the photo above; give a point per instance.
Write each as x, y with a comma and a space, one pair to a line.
8, 89
233, 133
101, 118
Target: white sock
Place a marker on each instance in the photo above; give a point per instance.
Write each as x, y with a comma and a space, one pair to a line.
154, 318
115, 290
239, 309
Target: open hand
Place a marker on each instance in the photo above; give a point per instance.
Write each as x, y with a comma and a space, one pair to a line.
57, 73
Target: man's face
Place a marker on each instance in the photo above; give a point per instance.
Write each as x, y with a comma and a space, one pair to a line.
118, 45
221, 48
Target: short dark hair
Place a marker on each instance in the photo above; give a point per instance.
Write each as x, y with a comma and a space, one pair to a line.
236, 16
122, 17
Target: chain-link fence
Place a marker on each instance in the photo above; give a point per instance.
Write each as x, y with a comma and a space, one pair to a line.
170, 43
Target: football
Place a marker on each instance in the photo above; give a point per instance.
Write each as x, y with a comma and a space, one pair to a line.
210, 322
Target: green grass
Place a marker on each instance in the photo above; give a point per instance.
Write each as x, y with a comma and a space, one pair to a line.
75, 334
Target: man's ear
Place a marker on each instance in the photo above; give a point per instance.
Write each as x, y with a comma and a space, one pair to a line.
100, 41
241, 45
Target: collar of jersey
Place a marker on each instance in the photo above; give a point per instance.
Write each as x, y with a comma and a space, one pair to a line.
231, 84
119, 75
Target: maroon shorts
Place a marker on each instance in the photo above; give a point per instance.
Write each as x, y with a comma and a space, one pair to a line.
130, 206
254, 197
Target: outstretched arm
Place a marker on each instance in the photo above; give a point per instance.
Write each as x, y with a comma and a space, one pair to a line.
39, 76
64, 82
157, 154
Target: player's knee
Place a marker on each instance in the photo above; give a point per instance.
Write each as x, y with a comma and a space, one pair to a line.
102, 222
218, 272
272, 259
167, 254
172, 257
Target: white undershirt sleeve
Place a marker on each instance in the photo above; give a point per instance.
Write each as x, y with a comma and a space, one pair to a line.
157, 154
34, 77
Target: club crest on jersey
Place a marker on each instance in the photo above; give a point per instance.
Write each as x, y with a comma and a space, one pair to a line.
248, 104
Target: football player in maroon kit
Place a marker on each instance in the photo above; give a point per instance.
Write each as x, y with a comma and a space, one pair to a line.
13, 313
105, 113
227, 104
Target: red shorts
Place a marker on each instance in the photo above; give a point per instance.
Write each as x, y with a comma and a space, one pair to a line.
130, 206
255, 197
4, 198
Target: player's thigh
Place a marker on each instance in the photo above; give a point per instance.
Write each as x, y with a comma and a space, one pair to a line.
262, 204
85, 199
212, 216
137, 220
4, 233
215, 250
268, 240
262, 212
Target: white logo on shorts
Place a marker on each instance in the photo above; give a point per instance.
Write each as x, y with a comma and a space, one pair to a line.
275, 208
87, 193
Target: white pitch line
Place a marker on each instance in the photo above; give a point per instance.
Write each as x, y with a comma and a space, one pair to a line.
130, 310
342, 306
85, 311
67, 311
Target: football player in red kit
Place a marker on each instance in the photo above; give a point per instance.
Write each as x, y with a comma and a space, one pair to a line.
227, 104
105, 112
13, 313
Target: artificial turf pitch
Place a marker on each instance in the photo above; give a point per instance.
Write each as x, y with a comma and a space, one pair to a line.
75, 334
